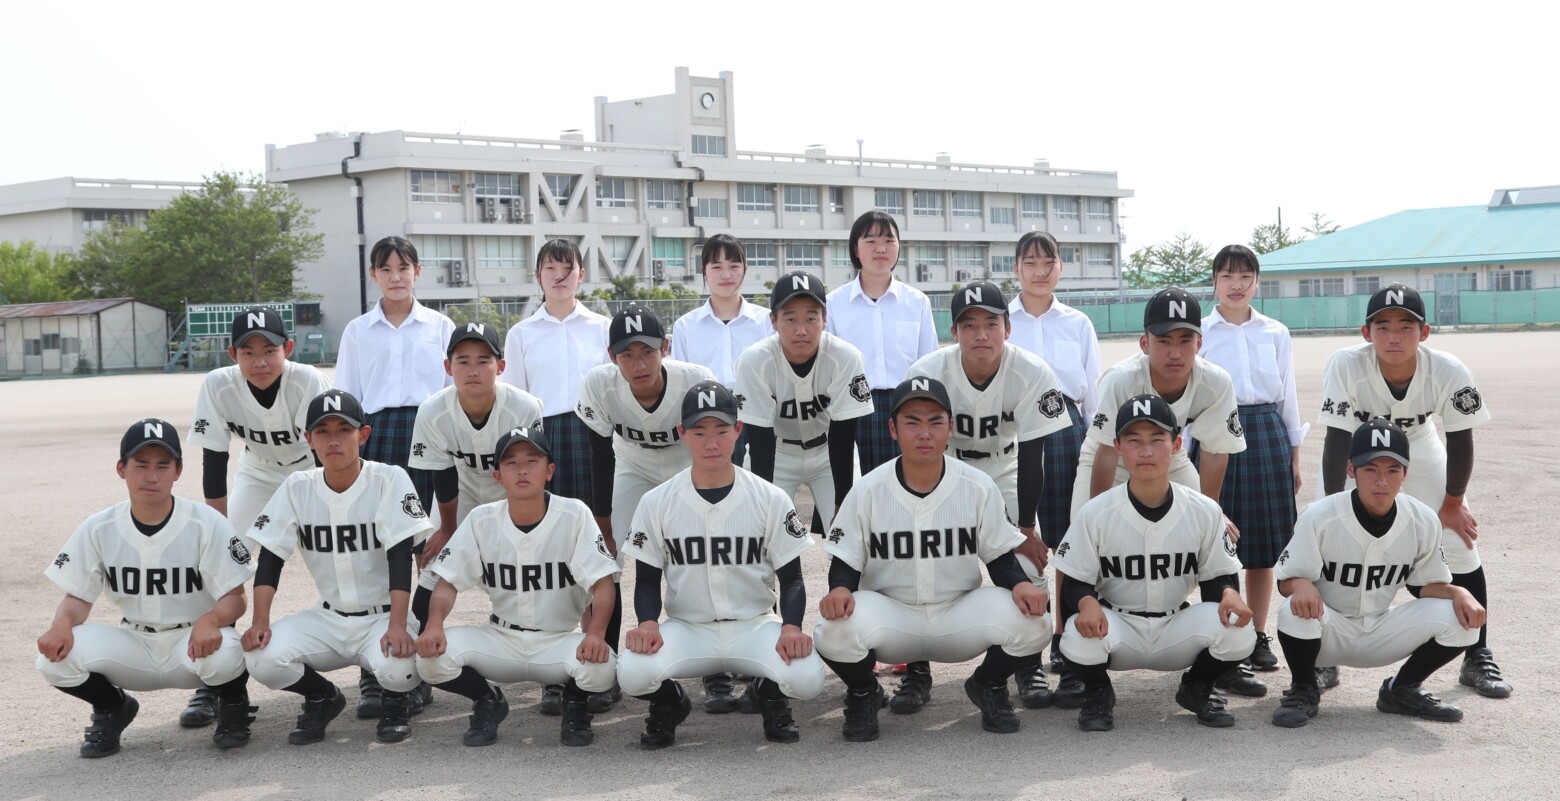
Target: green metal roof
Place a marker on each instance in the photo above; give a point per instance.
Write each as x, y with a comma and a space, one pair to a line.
1457, 236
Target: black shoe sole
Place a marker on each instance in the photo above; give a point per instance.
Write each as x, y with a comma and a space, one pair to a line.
298, 737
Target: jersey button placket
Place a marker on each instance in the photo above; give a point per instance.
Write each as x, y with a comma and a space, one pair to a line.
925, 569
1154, 590
720, 597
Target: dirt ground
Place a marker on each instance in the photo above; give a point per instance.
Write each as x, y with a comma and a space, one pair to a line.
58, 443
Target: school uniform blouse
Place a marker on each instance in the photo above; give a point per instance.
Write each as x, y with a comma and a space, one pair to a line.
1064, 337
385, 366
549, 357
1258, 357
891, 332
700, 337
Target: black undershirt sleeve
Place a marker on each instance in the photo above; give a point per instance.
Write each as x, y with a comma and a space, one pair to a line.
400, 558
761, 451
1073, 593
647, 591
602, 464
1031, 471
843, 575
422, 484
1459, 461
1335, 454
842, 463
1005, 571
446, 485
793, 593
1213, 589
268, 572
213, 473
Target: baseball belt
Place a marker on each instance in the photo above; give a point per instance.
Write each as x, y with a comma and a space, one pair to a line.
142, 627
502, 623
821, 439
963, 454
1107, 605
372, 610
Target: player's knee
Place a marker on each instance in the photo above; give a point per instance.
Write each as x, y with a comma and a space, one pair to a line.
1296, 626
439, 669
65, 673
1231, 643
1083, 650
638, 674
804, 678
839, 640
596, 677
222, 665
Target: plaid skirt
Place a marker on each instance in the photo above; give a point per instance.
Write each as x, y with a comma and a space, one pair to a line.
873, 442
570, 441
1259, 487
1054, 515
390, 441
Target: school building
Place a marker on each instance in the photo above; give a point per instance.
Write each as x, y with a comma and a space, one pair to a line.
59, 214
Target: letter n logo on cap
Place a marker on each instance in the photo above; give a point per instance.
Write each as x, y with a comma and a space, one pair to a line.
1178, 309
152, 431
256, 319
707, 399
800, 282
972, 295
332, 403
1394, 297
920, 385
634, 324
1381, 438
521, 432
478, 328
1142, 407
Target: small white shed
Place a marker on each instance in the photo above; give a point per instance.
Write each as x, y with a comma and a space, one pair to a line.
82, 336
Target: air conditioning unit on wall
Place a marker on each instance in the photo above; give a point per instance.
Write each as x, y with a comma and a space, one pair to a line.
487, 208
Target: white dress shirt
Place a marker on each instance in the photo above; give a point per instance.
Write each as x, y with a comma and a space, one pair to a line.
549, 357
1064, 337
386, 366
700, 337
891, 332
1257, 356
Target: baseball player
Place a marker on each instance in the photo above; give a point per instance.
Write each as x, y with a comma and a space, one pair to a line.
1131, 557
260, 399
1393, 375
1350, 555
905, 579
719, 537
1005, 401
354, 522
631, 409
176, 571
541, 560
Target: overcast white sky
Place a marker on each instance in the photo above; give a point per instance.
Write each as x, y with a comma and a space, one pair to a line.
1214, 114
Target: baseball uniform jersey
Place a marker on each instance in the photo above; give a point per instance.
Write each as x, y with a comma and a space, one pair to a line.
444, 437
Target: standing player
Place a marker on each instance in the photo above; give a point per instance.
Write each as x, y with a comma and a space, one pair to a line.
541, 560
1260, 483
1133, 555
354, 521
1392, 375
1350, 555
177, 573
1005, 401
719, 537
905, 581
261, 399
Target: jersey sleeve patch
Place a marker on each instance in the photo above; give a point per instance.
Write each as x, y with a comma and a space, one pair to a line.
601, 545
262, 521
1099, 421
835, 535
1051, 404
638, 539
1233, 424
418, 449
62, 560
201, 425
860, 389
794, 525
1467, 400
238, 551
412, 507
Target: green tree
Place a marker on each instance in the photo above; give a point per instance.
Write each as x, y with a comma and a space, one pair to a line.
1183, 261
30, 274
484, 311
1320, 226
1271, 237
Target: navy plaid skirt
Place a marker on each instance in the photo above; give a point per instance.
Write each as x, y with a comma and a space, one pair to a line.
390, 441
873, 442
1259, 487
570, 440
1054, 515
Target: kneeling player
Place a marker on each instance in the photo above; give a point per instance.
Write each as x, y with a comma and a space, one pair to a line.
1131, 558
177, 574
719, 536
1350, 554
541, 560
905, 581
354, 521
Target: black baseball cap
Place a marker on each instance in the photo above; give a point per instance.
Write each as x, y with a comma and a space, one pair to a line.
150, 431
481, 332
982, 295
334, 403
1148, 407
919, 388
709, 399
532, 434
1396, 296
1172, 308
635, 323
797, 284
258, 320
1377, 438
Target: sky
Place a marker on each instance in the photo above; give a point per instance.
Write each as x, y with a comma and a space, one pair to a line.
1215, 115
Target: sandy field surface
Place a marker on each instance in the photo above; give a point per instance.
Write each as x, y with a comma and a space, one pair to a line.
58, 442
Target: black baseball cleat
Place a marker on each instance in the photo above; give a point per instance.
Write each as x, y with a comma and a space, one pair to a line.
1069, 692
1240, 681
317, 714
1099, 709
1414, 700
575, 728
1058, 665
395, 717
201, 710
748, 703
719, 694
369, 693
552, 700
102, 737
1327, 677
861, 713
1033, 690
603, 701
661, 724
1480, 672
419, 698
234, 718
1298, 706
996, 709
779, 726
1201, 700
1262, 657
913, 692
486, 714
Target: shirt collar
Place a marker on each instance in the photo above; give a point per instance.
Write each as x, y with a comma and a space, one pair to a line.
1218, 317
1016, 306
541, 312
377, 313
894, 288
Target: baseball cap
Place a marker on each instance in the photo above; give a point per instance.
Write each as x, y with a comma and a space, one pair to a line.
1148, 407
635, 323
150, 431
1172, 308
334, 403
708, 399
1377, 438
919, 388
1396, 296
481, 332
797, 284
261, 320
982, 295
532, 435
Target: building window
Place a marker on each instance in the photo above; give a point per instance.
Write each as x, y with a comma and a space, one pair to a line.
435, 186
497, 184
755, 197
51, 341
801, 198
762, 254
836, 200
99, 219
711, 208
966, 204
614, 193
1033, 206
933, 254
890, 201
1271, 289
706, 145
1068, 253
1001, 215
1099, 208
1002, 264
839, 255
928, 203
804, 255
616, 249
561, 186
1511, 280
1100, 256
1320, 287
663, 194
969, 262
1066, 207
670, 252
1367, 286
501, 252
444, 254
